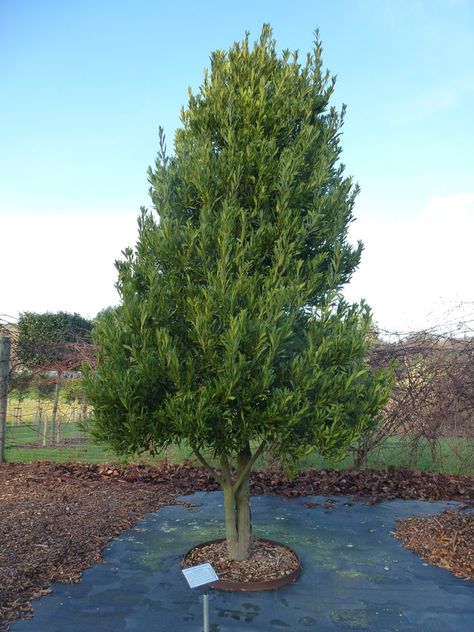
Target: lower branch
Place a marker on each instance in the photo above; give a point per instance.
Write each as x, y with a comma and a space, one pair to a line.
207, 465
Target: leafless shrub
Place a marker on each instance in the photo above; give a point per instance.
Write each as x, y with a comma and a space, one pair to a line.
432, 397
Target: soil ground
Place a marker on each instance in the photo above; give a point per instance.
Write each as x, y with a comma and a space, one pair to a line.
56, 518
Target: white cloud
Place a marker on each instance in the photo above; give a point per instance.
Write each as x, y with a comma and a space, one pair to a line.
412, 270
61, 261
415, 269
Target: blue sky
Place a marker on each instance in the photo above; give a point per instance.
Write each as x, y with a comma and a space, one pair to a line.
86, 84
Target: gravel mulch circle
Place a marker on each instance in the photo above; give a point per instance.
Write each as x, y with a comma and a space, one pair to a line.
445, 540
55, 518
267, 561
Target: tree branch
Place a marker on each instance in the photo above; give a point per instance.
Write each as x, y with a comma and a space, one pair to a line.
204, 462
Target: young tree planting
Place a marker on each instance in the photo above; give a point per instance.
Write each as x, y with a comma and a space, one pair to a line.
232, 335
49, 345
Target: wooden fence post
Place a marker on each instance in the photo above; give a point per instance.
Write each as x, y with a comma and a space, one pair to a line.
4, 375
38, 419
54, 414
44, 438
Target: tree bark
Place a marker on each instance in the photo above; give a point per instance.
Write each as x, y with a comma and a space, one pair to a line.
230, 520
242, 498
237, 507
238, 521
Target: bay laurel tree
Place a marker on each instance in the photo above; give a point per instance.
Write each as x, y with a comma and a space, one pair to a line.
232, 335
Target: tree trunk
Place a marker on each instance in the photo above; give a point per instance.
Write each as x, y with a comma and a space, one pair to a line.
54, 414
59, 430
44, 439
38, 417
84, 412
4, 374
237, 510
360, 455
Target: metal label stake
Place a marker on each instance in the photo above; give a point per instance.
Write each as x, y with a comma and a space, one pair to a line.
205, 609
201, 575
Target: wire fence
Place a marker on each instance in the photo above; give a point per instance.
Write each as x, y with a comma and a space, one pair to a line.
42, 404
430, 414
37, 423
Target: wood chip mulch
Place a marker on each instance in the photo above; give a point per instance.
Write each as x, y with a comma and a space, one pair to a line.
55, 519
268, 560
445, 540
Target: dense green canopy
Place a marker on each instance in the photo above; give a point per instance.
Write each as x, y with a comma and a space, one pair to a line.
232, 333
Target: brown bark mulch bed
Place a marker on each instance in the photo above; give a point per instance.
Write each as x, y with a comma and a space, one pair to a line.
56, 518
445, 540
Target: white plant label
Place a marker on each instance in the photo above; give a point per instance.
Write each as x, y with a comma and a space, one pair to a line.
200, 575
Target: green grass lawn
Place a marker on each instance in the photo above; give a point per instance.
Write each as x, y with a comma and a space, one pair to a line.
23, 444
453, 456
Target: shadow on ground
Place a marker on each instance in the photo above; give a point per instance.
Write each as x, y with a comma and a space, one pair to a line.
355, 575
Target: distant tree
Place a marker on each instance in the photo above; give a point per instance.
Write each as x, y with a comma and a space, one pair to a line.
52, 342
44, 340
232, 334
